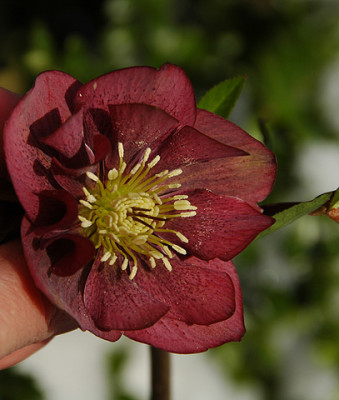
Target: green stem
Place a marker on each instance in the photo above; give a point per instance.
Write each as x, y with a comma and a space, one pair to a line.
160, 374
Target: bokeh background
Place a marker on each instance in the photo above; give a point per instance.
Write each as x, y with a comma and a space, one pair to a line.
289, 51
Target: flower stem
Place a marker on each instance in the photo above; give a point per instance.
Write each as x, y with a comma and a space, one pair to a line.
160, 374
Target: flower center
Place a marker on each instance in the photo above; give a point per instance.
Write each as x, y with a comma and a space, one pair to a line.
125, 215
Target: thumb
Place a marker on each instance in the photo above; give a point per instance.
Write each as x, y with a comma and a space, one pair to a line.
26, 315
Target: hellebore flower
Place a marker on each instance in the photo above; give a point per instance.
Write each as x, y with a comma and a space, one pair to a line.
135, 202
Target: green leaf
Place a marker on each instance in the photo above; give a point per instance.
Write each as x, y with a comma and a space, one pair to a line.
291, 212
222, 98
335, 200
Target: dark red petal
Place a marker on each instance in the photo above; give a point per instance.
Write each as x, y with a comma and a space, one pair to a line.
137, 126
69, 137
78, 142
190, 147
167, 88
250, 178
115, 302
222, 227
101, 146
72, 180
195, 292
57, 210
27, 164
178, 337
65, 292
68, 254
8, 101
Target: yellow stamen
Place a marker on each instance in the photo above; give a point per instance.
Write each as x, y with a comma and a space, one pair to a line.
153, 162
86, 204
167, 264
146, 155
152, 262
179, 249
113, 259
92, 176
175, 172
85, 223
106, 256
112, 174
124, 264
133, 272
121, 150
125, 215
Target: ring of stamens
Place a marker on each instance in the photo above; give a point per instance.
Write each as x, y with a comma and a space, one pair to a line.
125, 215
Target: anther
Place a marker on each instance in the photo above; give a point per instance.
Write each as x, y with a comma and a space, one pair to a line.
152, 262
124, 264
106, 256
154, 162
121, 150
179, 249
113, 259
122, 168
167, 264
188, 214
85, 223
156, 254
146, 155
157, 198
86, 204
142, 239
109, 220
86, 192
133, 195
135, 169
112, 174
175, 172
167, 251
182, 237
124, 231
181, 204
133, 272
114, 237
162, 174
92, 176
91, 198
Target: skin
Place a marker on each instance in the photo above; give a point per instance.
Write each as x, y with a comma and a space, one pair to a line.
27, 319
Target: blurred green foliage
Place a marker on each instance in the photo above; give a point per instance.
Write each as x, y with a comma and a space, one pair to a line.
290, 279
15, 386
116, 363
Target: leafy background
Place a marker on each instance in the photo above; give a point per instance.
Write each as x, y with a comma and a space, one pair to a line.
289, 51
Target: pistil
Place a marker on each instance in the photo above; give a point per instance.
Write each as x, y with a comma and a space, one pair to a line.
125, 214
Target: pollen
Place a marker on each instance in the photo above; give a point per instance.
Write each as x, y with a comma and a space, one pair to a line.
125, 214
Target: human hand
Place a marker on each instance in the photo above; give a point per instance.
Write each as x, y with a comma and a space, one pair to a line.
27, 319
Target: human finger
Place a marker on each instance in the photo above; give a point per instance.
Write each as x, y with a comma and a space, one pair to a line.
21, 354
26, 315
